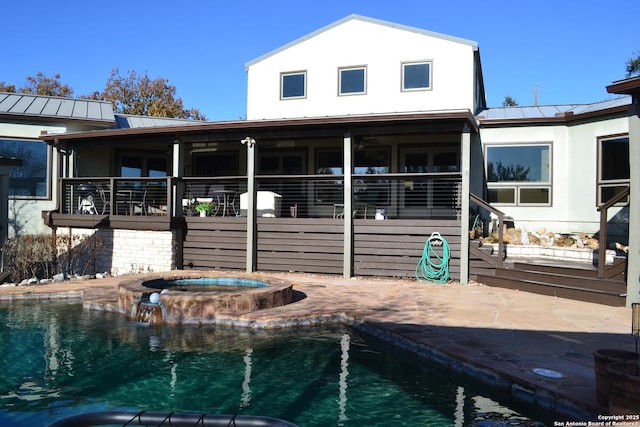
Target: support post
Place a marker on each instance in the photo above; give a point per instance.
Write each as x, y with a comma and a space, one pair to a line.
347, 266
633, 257
176, 191
251, 205
465, 166
176, 172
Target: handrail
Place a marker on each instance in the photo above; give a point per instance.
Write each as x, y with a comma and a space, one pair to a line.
615, 199
170, 419
602, 244
477, 200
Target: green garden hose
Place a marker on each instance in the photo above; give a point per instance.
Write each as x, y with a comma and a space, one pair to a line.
434, 267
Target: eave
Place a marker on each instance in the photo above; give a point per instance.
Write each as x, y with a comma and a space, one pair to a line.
626, 87
567, 118
329, 123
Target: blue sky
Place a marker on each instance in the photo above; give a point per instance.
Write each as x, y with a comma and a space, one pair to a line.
570, 49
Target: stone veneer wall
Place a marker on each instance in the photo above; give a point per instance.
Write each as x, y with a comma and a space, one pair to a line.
556, 253
134, 251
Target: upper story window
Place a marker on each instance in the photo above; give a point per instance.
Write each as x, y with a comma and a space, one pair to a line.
293, 85
352, 81
416, 76
30, 179
519, 174
613, 167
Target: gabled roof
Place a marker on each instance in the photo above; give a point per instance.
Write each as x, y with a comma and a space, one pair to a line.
364, 19
551, 113
21, 105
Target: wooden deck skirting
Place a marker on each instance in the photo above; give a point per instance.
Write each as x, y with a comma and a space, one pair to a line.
389, 248
394, 247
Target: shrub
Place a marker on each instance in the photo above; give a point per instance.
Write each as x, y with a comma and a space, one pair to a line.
39, 256
30, 256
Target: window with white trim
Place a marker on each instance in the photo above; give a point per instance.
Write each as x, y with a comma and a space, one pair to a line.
519, 175
293, 85
31, 179
613, 167
416, 76
352, 81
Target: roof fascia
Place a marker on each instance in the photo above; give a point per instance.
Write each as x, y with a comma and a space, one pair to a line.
12, 117
560, 118
471, 43
627, 86
480, 78
263, 125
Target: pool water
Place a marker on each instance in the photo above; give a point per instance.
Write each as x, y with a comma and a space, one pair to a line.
205, 284
59, 360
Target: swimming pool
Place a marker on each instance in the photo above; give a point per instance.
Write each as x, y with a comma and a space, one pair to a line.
61, 360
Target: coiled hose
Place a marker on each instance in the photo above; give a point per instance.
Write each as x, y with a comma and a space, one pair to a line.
434, 267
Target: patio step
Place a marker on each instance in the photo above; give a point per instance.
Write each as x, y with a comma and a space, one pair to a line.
570, 284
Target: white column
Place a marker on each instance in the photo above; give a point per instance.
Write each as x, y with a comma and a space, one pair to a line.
176, 171
251, 204
465, 166
347, 266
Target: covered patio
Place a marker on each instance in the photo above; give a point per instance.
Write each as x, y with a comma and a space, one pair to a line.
356, 196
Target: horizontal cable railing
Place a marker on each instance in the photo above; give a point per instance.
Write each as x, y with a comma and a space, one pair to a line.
213, 196
388, 195
298, 196
116, 196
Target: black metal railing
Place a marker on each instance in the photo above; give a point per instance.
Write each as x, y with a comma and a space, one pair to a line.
116, 196
408, 196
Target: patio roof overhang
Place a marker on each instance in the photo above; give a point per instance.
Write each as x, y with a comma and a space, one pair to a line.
433, 121
627, 86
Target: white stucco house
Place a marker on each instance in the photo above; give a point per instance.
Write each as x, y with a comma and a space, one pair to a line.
360, 65
573, 158
359, 116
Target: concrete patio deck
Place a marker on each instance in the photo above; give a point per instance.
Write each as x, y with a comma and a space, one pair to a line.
495, 335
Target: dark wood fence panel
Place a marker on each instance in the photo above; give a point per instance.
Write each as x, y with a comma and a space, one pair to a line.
308, 245
215, 243
393, 248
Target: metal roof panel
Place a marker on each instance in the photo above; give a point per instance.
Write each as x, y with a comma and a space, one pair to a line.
36, 106
79, 109
66, 108
549, 111
21, 104
8, 102
51, 108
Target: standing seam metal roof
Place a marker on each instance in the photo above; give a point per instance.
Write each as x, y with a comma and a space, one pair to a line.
20, 104
550, 111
